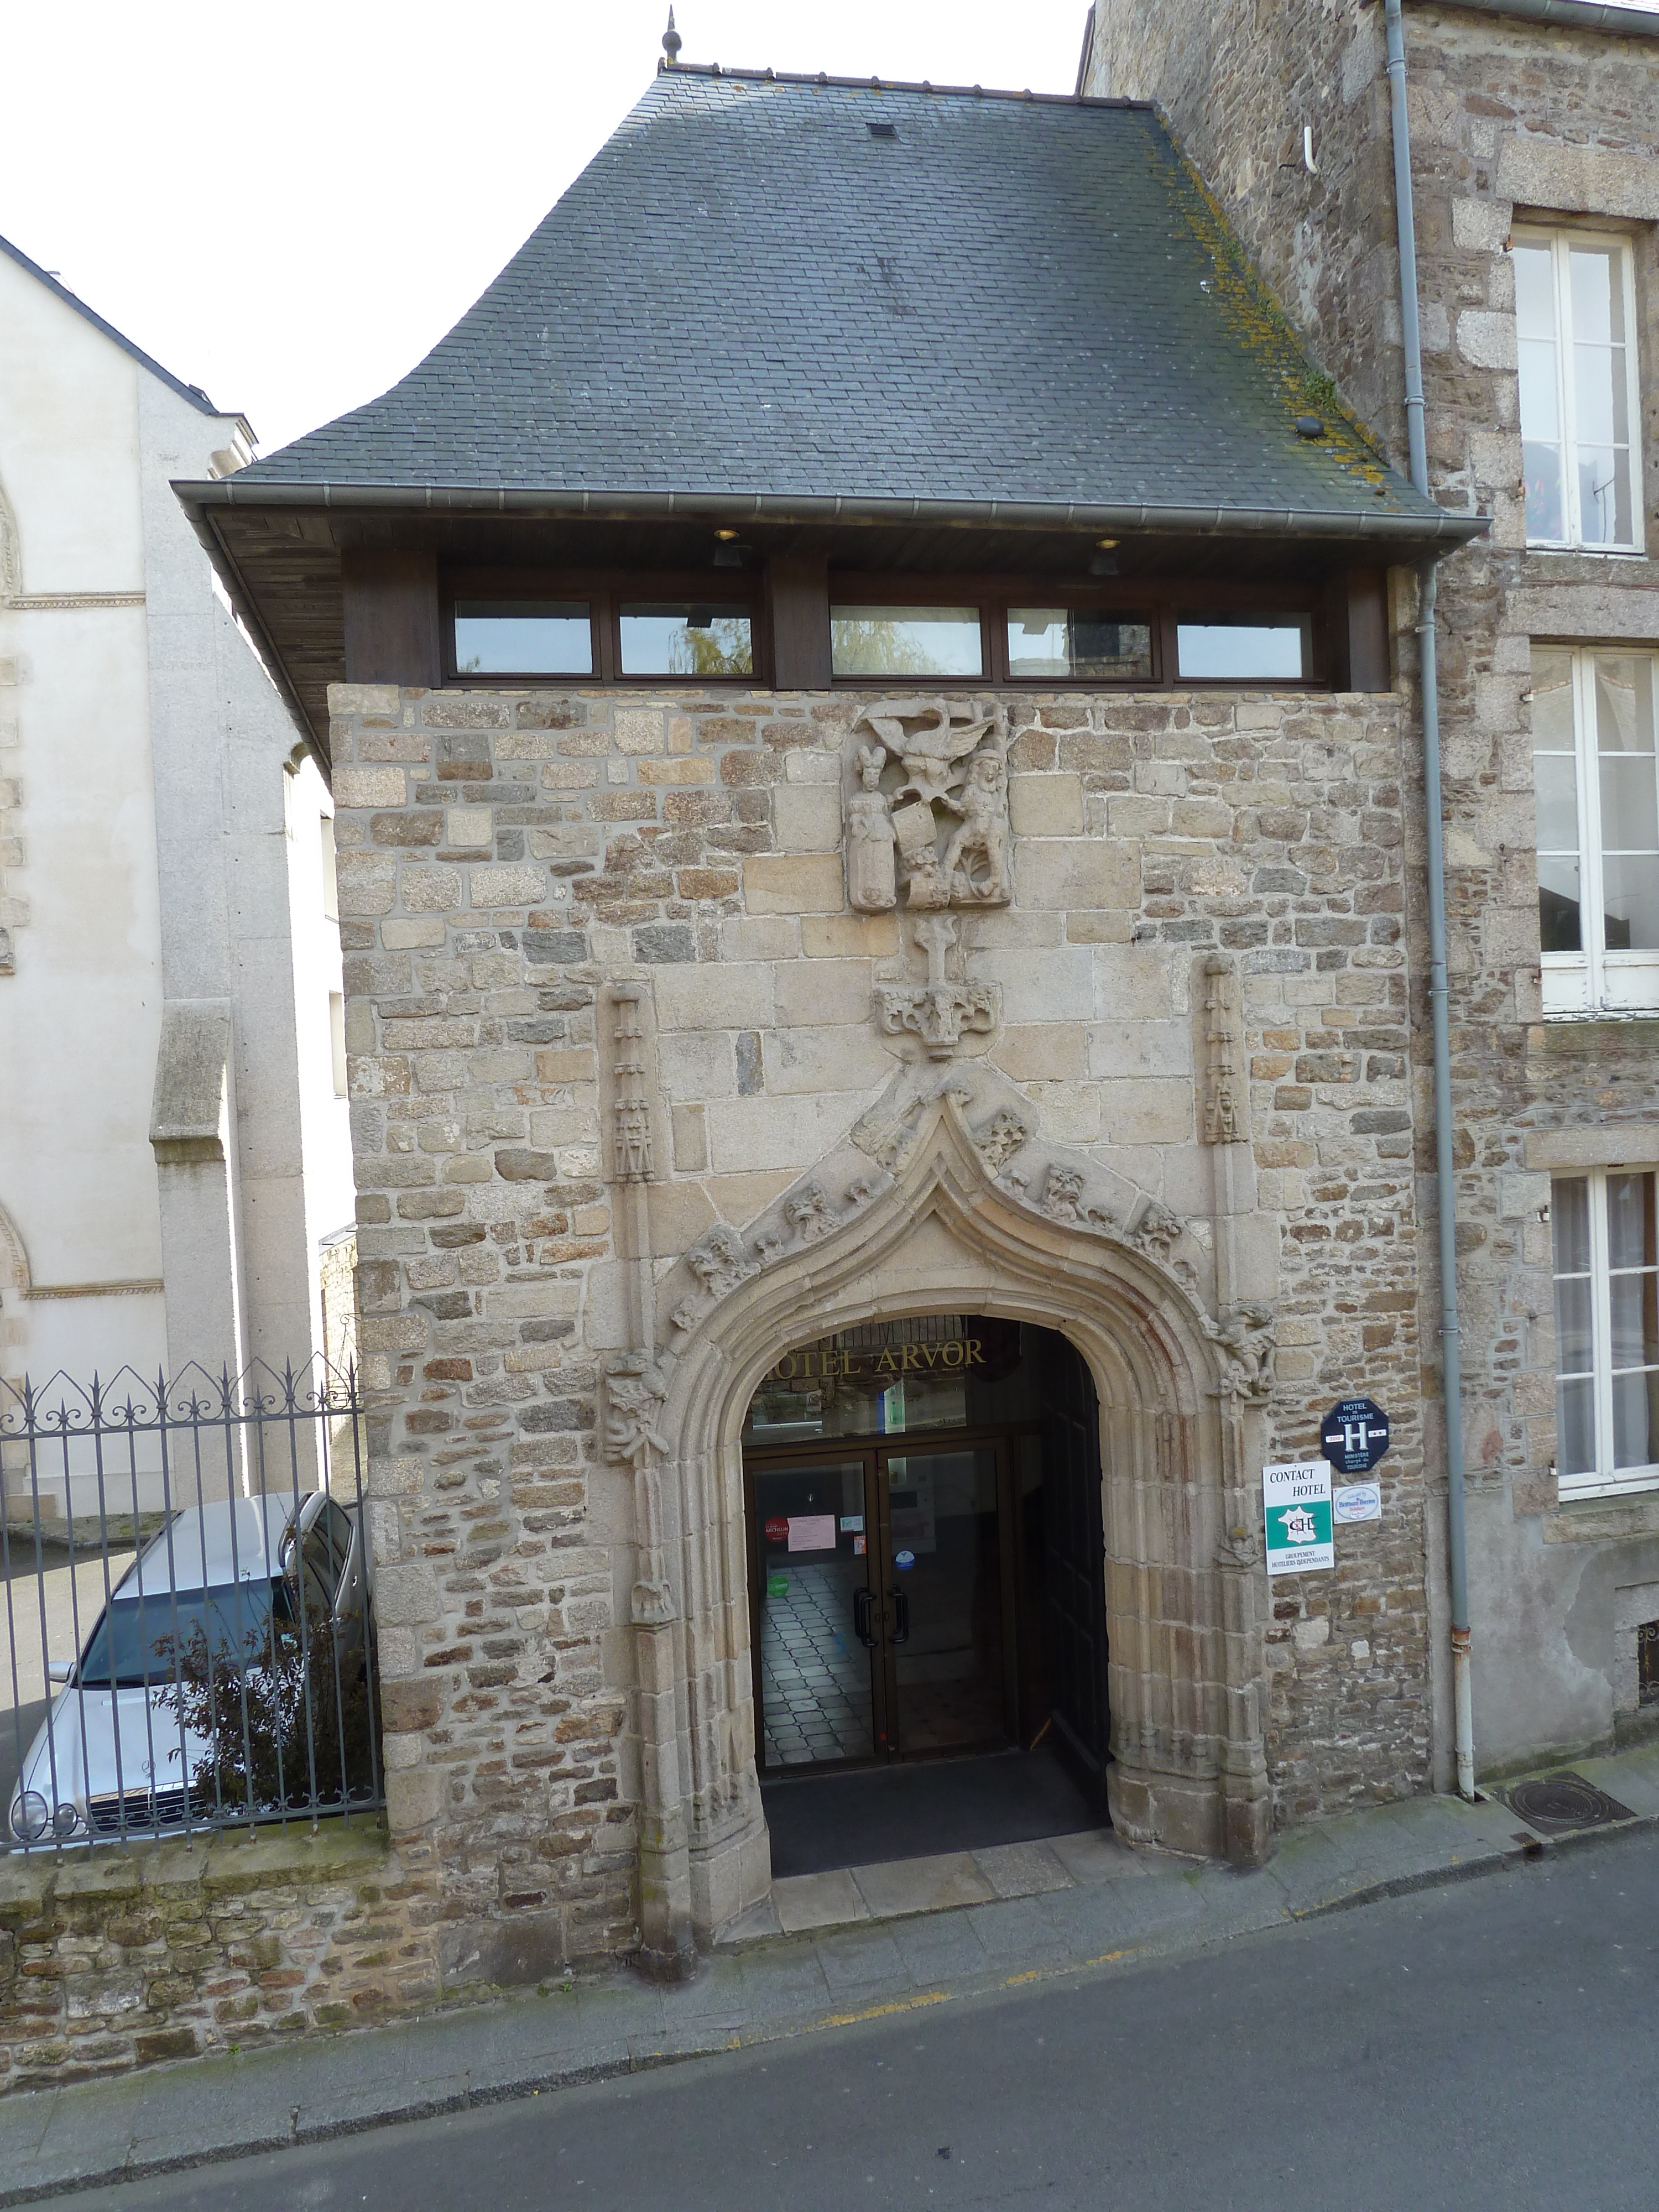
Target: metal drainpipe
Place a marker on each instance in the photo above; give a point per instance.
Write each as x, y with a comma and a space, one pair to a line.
1429, 679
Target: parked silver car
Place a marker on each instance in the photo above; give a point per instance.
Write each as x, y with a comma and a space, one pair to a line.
236, 1617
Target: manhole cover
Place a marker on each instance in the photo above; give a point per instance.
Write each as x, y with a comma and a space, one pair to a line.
1555, 1804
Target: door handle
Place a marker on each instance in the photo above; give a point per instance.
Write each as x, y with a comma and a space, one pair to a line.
901, 1618
863, 1602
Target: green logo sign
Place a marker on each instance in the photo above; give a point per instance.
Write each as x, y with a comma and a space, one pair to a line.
1296, 1501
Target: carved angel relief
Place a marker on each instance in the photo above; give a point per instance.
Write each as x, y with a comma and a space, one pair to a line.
935, 826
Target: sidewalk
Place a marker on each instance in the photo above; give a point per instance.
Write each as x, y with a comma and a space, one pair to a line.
830, 1950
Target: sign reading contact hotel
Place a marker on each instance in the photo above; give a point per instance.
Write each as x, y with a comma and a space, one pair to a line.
1296, 1503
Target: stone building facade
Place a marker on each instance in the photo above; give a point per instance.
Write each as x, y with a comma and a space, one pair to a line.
508, 861
1544, 127
855, 971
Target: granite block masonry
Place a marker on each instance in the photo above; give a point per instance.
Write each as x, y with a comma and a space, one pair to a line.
629, 1123
1512, 121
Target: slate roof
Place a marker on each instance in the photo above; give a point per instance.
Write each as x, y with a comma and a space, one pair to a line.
749, 294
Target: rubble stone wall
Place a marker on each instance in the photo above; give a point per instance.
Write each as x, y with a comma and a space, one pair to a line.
1510, 119
130, 1956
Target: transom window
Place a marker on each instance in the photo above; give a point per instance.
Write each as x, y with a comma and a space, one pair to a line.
687, 640
903, 640
1596, 779
618, 626
1244, 649
873, 639
605, 635
1575, 309
1606, 1332
523, 637
1072, 642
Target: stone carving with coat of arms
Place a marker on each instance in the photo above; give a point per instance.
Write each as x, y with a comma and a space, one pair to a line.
927, 810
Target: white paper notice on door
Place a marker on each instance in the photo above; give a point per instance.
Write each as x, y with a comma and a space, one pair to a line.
812, 1532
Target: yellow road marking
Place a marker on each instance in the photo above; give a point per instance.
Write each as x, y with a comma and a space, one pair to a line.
881, 2011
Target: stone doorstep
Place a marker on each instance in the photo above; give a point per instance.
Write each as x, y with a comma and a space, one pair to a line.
898, 1888
1390, 1858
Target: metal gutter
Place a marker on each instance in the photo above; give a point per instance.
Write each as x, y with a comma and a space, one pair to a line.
1569, 15
789, 507
1435, 840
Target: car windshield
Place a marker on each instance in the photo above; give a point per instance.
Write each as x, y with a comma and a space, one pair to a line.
229, 1627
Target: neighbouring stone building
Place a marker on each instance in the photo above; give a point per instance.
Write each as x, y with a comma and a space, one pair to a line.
873, 807
172, 1151
1536, 191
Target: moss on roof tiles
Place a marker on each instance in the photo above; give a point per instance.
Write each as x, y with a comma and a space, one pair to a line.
747, 292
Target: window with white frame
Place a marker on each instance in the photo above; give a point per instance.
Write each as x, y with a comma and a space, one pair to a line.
1596, 781
1575, 312
1606, 1332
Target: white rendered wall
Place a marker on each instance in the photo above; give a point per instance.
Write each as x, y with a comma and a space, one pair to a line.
80, 1017
170, 850
325, 1115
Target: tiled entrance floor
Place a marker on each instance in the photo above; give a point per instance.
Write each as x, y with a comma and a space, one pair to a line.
815, 1675
804, 1901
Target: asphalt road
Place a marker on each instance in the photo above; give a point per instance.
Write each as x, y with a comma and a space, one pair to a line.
1487, 2045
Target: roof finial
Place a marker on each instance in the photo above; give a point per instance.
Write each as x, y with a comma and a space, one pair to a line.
672, 42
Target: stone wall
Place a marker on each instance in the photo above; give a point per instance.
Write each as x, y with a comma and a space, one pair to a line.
1506, 117
503, 856
124, 1957
1240, 82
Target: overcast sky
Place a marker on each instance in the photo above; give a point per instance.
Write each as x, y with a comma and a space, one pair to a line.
289, 203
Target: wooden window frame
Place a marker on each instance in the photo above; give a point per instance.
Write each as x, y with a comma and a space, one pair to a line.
1323, 606
1163, 605
1273, 617
605, 592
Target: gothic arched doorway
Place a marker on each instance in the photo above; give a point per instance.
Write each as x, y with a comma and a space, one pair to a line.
927, 1577
934, 1233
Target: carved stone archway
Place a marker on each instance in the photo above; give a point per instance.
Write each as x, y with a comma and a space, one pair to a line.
937, 1219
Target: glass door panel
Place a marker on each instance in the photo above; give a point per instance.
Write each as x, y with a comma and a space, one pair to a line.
942, 1550
818, 1641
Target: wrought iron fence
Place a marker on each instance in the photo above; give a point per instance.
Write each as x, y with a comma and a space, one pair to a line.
188, 1611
